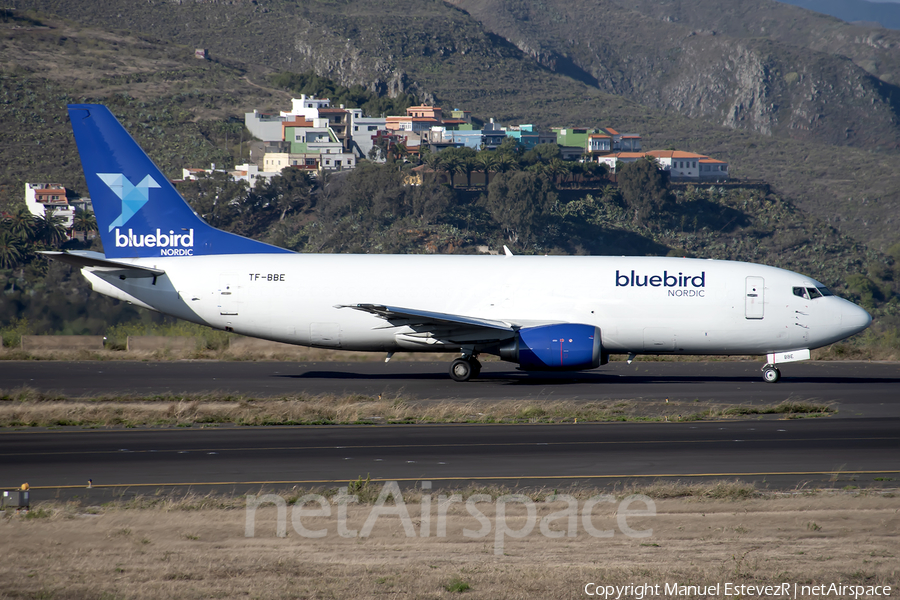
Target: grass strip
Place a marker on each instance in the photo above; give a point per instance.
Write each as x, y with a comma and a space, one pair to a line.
367, 492
26, 407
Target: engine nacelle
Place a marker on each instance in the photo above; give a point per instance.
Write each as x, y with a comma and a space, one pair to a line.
562, 347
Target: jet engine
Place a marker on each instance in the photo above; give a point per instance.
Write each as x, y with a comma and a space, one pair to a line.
561, 347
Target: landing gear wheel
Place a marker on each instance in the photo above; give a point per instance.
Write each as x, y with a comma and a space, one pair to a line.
771, 374
461, 370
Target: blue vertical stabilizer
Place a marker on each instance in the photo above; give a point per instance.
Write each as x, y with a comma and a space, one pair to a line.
139, 212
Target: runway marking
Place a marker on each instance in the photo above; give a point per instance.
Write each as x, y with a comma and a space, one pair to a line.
463, 478
459, 445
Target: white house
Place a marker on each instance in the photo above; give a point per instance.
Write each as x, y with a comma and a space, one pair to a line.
310, 161
264, 126
307, 107
685, 165
364, 130
611, 160
712, 169
246, 172
42, 196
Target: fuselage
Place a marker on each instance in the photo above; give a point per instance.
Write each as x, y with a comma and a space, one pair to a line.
642, 305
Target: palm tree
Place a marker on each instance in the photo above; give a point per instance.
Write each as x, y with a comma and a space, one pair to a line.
590, 169
465, 167
575, 169
556, 168
433, 160
84, 220
505, 163
541, 168
487, 160
449, 164
401, 150
51, 228
10, 250
23, 224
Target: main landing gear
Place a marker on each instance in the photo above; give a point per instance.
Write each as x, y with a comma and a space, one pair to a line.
465, 368
771, 374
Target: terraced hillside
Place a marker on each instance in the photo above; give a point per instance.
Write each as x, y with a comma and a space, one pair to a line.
842, 167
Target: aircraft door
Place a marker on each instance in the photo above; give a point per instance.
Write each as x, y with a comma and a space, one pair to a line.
754, 307
228, 294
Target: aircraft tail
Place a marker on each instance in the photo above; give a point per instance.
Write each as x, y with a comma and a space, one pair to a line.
139, 212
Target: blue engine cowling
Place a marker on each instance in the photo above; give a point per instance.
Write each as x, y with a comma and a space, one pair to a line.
562, 347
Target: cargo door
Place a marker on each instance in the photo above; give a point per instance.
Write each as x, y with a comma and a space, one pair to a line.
228, 294
659, 339
325, 335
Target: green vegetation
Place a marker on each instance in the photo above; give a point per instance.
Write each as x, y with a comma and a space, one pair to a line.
356, 96
644, 189
457, 586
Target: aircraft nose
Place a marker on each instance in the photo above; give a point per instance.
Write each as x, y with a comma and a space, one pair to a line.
854, 317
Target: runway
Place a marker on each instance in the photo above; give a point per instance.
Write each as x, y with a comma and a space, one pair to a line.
826, 452
858, 446
857, 388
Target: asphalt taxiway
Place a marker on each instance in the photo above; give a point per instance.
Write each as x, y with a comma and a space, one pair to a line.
822, 452
860, 445
857, 388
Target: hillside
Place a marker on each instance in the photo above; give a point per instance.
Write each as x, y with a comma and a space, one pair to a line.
440, 52
179, 108
886, 14
186, 112
757, 84
874, 49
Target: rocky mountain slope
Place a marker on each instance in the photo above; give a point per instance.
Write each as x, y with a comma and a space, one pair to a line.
758, 65
886, 14
657, 58
804, 120
874, 49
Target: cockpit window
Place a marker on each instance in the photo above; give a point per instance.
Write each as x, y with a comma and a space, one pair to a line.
811, 293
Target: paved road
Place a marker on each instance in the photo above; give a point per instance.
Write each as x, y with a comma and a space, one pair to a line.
822, 452
859, 388
861, 445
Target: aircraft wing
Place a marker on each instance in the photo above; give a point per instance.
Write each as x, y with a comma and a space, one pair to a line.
456, 328
99, 262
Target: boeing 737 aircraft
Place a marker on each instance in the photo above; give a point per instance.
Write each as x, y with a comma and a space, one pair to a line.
541, 312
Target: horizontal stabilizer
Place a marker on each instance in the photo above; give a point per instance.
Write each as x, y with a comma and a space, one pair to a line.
99, 262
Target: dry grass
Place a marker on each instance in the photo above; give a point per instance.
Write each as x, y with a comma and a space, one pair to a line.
282, 353
26, 407
195, 548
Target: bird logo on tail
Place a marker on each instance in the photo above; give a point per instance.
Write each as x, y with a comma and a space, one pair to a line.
133, 196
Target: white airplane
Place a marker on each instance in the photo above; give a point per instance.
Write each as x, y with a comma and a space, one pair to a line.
541, 312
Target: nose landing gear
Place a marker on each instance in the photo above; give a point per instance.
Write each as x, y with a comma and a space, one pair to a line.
771, 374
